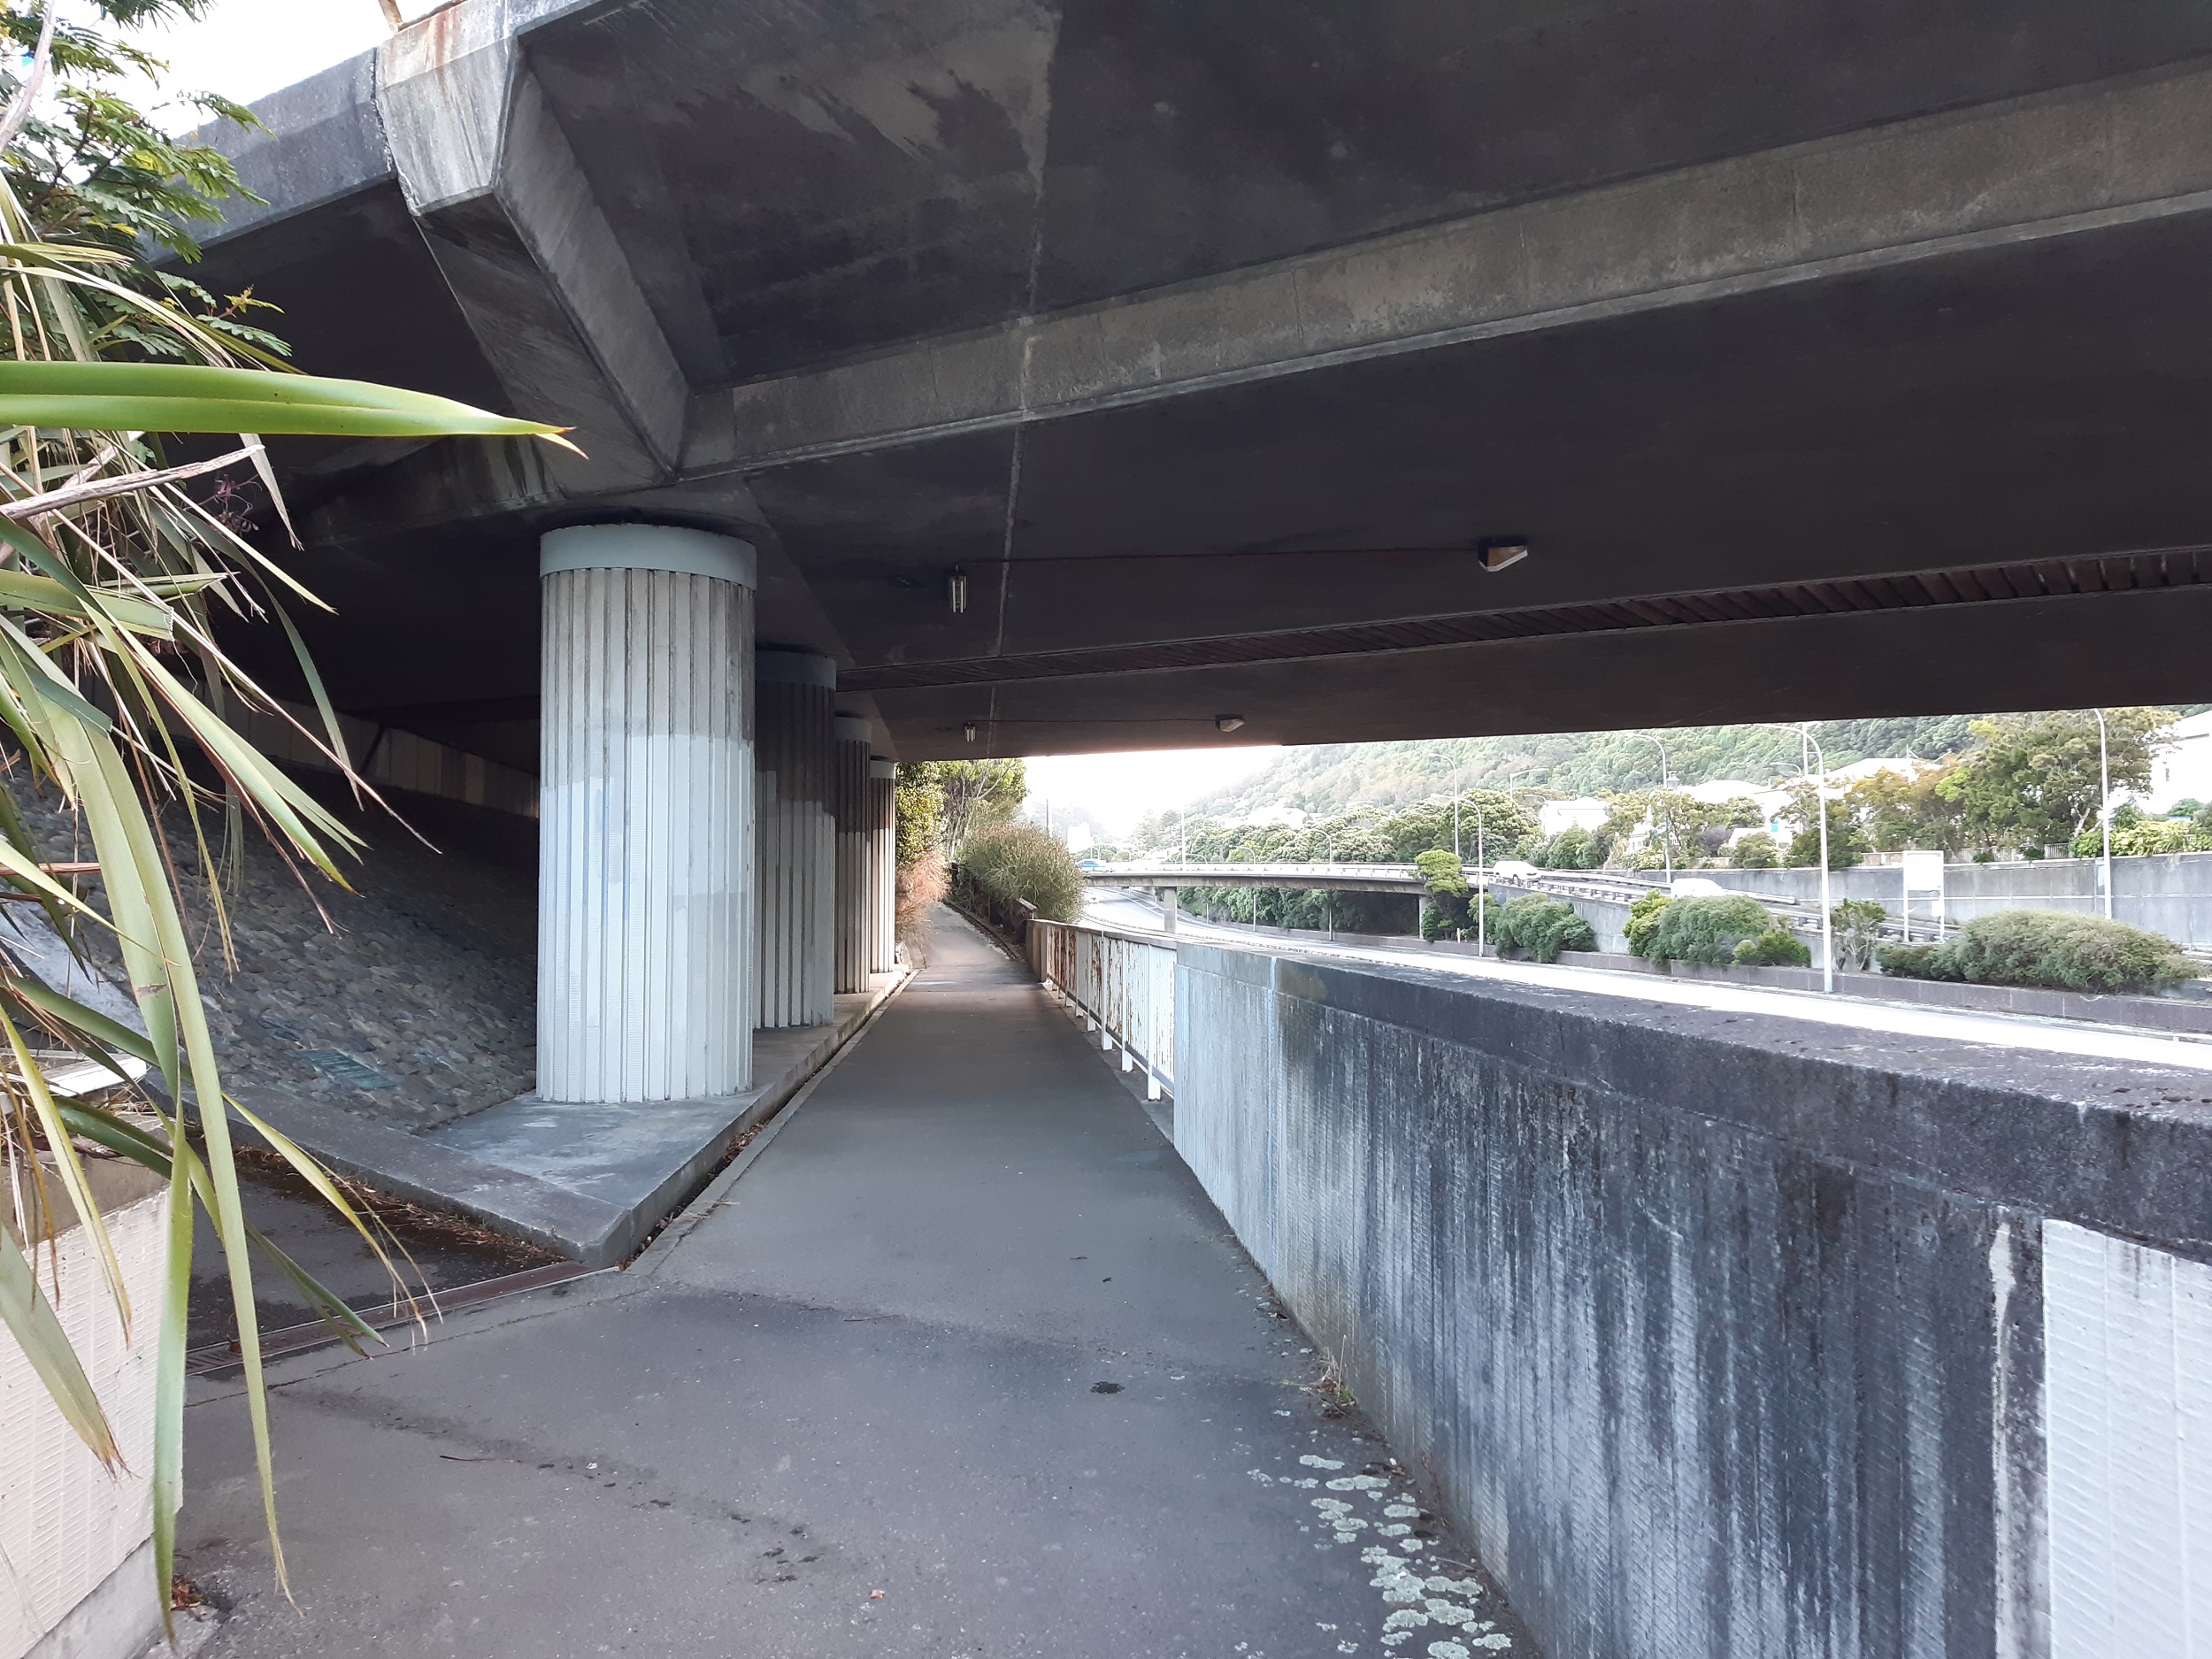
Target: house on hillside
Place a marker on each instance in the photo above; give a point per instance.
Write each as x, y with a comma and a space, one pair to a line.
1584, 812
2183, 772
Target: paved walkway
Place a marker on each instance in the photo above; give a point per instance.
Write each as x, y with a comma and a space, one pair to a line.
964, 1363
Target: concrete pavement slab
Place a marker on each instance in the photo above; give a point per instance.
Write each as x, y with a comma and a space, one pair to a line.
965, 1333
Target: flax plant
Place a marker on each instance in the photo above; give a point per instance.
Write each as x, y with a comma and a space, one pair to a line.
116, 694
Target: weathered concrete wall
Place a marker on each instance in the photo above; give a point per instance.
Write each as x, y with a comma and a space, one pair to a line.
2169, 893
409, 1001
1725, 1338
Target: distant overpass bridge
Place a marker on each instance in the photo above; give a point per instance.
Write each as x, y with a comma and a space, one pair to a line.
1330, 877
1605, 887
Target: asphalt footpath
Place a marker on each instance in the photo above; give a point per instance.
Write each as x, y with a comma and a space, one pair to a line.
958, 1363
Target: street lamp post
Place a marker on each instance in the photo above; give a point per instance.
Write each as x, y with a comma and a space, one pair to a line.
1820, 808
1666, 845
1483, 890
2104, 807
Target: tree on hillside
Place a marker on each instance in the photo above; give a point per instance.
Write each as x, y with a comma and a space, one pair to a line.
1506, 827
971, 795
1898, 812
1846, 840
1678, 828
2033, 779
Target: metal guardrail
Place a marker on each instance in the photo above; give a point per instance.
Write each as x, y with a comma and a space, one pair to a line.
1122, 987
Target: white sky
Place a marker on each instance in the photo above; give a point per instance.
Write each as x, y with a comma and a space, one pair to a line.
1117, 791
245, 49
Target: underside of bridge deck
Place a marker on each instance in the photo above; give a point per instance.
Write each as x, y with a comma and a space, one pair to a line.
1853, 369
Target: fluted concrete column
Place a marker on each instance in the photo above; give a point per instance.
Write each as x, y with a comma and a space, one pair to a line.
645, 815
796, 838
883, 866
848, 807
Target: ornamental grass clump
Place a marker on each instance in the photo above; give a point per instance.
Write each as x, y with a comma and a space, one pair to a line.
2051, 949
1017, 864
1543, 927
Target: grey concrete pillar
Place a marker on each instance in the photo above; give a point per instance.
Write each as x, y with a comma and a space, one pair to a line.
645, 816
795, 896
848, 807
883, 866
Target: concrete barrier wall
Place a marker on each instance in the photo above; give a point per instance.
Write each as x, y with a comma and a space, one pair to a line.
2168, 892
1729, 1339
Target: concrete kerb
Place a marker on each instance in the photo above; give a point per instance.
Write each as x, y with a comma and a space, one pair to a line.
587, 1229
606, 1283
680, 1225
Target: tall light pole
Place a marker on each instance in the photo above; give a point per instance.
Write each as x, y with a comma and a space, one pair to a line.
1456, 815
1666, 845
1482, 888
2104, 807
1820, 806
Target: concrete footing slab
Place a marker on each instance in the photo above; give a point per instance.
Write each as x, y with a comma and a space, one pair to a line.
589, 1181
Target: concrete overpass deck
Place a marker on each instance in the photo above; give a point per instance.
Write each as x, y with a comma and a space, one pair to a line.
1091, 378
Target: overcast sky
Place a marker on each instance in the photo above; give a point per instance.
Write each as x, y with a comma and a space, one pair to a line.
245, 49
1117, 791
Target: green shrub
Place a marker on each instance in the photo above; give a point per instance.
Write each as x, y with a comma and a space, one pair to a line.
1565, 850
1643, 922
2143, 837
1776, 947
1011, 862
2060, 950
1452, 916
1912, 961
1441, 872
1543, 927
1754, 851
1708, 929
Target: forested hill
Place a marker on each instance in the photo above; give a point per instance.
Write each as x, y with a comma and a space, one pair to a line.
1331, 777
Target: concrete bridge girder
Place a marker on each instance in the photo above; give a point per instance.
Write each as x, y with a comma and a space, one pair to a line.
1933, 323
526, 250
2049, 166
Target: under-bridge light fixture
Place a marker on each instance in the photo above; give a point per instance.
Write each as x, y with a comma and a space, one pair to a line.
1227, 722
1498, 551
957, 589
968, 731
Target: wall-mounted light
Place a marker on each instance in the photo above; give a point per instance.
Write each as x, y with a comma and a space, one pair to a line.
1227, 722
1498, 551
957, 589
968, 731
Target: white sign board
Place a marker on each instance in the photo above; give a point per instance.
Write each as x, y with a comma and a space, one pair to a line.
1924, 872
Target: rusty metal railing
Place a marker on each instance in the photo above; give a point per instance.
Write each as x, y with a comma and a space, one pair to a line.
1122, 985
